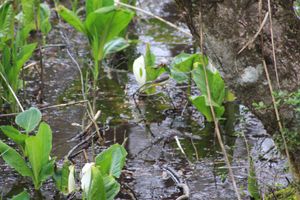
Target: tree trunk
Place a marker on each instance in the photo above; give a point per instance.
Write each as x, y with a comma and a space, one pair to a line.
230, 24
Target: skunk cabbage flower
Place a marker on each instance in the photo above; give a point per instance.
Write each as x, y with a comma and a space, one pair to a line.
71, 179
86, 177
139, 70
117, 2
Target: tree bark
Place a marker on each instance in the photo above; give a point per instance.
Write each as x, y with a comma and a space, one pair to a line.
230, 24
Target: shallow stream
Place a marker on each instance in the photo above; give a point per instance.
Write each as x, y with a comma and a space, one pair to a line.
151, 124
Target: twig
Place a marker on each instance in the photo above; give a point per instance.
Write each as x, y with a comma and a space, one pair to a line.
216, 123
87, 127
69, 155
12, 91
277, 113
273, 44
63, 105
45, 108
156, 17
257, 34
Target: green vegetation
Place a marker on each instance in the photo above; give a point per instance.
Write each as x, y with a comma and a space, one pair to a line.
146, 72
98, 179
185, 68
35, 162
102, 26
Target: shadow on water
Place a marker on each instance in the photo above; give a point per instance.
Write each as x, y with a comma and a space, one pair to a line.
150, 124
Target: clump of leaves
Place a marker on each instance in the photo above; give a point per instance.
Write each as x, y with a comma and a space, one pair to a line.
35, 16
99, 179
288, 98
14, 50
102, 26
35, 161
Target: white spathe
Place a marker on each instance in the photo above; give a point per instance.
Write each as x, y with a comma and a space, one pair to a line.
139, 70
117, 2
71, 179
86, 177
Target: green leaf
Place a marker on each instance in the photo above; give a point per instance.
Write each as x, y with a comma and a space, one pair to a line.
61, 177
107, 23
112, 160
182, 65
149, 57
29, 119
179, 77
29, 8
6, 20
47, 170
151, 71
97, 189
112, 187
184, 62
71, 18
92, 5
115, 45
202, 105
24, 54
215, 82
14, 159
45, 14
22, 196
14, 135
38, 149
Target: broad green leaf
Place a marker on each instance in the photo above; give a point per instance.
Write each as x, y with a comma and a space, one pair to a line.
14, 159
24, 54
22, 196
29, 9
47, 170
114, 46
151, 71
71, 18
6, 20
149, 57
112, 187
97, 189
38, 148
179, 77
107, 23
112, 160
185, 62
92, 5
215, 82
61, 177
29, 119
45, 14
14, 135
202, 105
